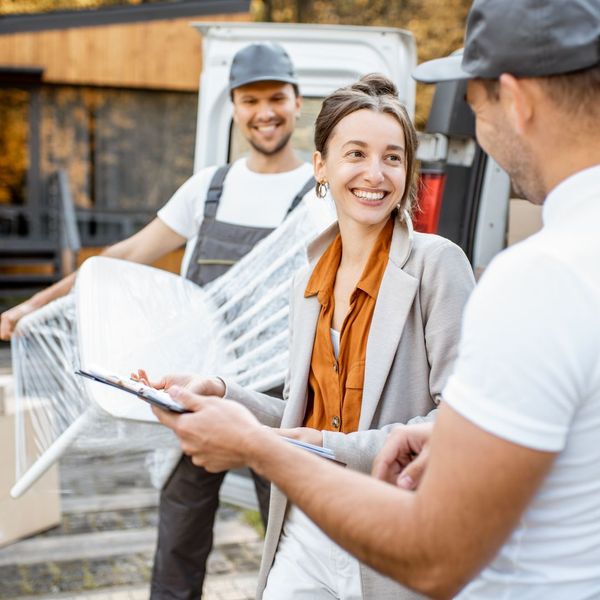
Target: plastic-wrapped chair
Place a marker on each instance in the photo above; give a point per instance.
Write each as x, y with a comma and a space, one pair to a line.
123, 316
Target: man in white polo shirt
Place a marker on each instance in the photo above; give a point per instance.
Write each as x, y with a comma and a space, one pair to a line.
509, 503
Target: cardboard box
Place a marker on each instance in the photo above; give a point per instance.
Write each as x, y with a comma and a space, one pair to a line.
39, 508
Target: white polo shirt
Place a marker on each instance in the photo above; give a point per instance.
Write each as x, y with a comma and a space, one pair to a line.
528, 371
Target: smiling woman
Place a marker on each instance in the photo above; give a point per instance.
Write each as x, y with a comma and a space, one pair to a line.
364, 167
375, 322
370, 100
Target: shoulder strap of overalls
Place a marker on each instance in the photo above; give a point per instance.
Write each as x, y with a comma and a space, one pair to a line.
215, 189
298, 197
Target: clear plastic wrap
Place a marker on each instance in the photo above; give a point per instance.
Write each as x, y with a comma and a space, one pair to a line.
123, 316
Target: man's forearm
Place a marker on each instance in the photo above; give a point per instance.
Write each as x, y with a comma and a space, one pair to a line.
57, 290
10, 319
342, 502
434, 540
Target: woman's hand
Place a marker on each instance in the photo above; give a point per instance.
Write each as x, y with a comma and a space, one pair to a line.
218, 434
303, 434
192, 383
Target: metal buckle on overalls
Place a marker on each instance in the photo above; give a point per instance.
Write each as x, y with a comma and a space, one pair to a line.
215, 261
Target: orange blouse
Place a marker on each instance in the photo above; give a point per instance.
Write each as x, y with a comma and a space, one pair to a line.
335, 386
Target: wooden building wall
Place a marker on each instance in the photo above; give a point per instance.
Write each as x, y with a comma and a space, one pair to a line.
162, 54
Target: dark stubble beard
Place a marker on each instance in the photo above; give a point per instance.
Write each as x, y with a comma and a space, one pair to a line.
271, 151
518, 161
525, 176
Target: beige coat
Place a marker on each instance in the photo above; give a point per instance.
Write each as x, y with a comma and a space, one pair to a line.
411, 347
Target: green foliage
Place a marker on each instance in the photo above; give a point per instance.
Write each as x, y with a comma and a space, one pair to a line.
12, 7
252, 518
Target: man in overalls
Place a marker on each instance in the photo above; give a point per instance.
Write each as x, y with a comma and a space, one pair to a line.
222, 212
230, 208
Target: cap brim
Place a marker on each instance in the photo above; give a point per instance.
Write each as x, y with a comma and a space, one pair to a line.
250, 80
441, 69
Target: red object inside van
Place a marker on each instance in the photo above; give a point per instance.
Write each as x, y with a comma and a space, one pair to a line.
429, 196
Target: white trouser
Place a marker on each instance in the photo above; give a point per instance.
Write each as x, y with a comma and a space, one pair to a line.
309, 566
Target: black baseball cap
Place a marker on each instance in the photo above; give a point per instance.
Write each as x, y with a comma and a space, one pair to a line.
265, 61
526, 38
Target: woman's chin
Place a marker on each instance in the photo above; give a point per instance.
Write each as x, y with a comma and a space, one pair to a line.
372, 216
365, 215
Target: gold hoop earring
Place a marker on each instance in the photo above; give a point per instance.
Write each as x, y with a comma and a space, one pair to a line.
322, 188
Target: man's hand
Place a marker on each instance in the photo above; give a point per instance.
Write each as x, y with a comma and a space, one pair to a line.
303, 434
192, 383
403, 458
217, 435
10, 318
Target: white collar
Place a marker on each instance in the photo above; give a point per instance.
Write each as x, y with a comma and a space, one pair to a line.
572, 195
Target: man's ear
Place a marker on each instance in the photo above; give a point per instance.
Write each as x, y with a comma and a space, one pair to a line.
518, 99
235, 117
298, 106
319, 167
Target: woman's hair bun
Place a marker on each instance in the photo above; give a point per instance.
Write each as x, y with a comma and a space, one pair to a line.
376, 84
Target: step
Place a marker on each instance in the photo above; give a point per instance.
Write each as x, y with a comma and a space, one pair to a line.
62, 548
112, 502
241, 586
26, 245
77, 547
17, 260
14, 282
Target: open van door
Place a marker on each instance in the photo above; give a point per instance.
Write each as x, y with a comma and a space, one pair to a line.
464, 193
326, 57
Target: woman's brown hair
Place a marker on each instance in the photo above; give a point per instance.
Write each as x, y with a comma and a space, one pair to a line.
377, 93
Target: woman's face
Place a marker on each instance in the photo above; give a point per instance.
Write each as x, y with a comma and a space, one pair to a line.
365, 166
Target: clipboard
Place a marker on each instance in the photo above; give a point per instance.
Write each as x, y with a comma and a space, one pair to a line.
151, 395
318, 450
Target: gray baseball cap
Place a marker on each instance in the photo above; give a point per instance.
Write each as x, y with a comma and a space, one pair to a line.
527, 38
265, 61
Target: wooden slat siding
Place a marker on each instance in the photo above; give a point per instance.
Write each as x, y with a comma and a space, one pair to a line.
163, 55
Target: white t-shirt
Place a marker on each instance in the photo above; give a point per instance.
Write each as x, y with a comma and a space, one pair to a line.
528, 371
249, 198
335, 342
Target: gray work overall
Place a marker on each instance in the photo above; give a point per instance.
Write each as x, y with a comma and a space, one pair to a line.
190, 498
